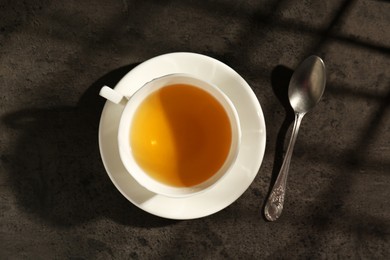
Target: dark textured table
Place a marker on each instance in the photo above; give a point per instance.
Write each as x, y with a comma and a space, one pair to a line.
56, 200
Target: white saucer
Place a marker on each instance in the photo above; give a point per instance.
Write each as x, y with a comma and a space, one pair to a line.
249, 158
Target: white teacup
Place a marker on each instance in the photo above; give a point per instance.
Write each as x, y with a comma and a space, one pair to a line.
143, 151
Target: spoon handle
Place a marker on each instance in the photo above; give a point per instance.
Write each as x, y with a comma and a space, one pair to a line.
273, 208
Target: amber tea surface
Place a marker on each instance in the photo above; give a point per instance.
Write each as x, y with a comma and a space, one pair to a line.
180, 135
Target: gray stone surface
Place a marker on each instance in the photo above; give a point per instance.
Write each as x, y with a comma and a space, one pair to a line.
56, 201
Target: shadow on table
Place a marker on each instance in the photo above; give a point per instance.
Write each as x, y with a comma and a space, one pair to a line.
55, 167
280, 80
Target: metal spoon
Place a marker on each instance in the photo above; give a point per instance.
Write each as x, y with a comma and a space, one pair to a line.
306, 87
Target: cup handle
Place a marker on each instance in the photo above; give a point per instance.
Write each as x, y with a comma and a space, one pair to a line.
111, 95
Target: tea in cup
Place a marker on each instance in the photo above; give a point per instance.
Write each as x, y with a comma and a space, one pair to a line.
178, 134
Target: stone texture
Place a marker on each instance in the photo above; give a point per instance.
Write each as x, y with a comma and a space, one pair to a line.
56, 201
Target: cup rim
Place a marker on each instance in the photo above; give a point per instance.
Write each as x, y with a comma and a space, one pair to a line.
138, 173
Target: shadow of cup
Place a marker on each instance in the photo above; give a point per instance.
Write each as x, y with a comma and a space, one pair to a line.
55, 168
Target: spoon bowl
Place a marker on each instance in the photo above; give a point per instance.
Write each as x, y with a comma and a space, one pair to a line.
307, 84
306, 87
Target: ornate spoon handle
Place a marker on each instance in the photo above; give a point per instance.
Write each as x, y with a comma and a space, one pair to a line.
273, 208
